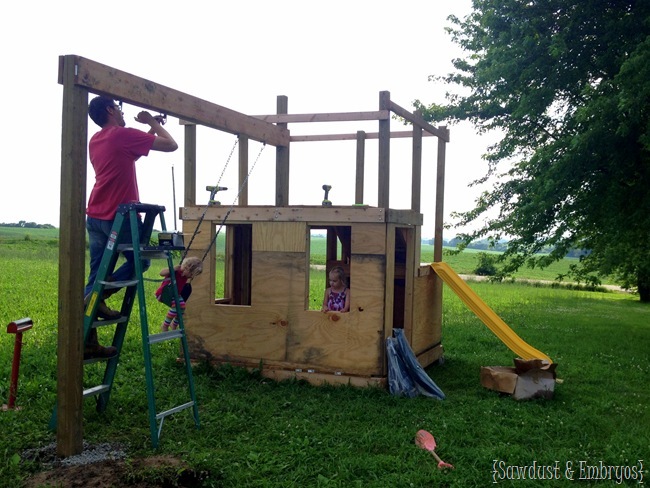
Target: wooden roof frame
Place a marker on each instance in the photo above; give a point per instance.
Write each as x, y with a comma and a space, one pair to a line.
79, 77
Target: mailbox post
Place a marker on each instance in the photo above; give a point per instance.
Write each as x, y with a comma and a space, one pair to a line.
17, 327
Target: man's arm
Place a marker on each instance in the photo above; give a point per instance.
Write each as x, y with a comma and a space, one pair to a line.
164, 141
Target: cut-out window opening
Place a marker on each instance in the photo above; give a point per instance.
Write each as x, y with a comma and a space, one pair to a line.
234, 251
329, 246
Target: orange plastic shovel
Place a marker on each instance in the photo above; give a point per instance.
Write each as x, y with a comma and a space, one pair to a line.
426, 441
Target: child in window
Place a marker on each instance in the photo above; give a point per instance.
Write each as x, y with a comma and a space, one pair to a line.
184, 273
337, 296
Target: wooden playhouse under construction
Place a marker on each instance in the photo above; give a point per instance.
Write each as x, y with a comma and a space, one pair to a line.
263, 318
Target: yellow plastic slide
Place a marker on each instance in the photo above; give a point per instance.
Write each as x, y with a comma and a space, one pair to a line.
486, 314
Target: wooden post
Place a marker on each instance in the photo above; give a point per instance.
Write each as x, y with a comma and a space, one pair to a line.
243, 171
439, 224
409, 275
190, 166
416, 175
384, 153
440, 199
360, 171
72, 256
282, 160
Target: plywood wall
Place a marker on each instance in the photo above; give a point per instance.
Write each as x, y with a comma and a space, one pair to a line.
279, 330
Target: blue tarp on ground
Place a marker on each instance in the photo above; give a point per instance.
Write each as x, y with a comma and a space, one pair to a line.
405, 375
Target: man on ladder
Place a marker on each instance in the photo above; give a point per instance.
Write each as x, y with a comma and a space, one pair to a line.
113, 152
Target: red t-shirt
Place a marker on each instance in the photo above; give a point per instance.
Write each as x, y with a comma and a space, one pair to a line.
113, 152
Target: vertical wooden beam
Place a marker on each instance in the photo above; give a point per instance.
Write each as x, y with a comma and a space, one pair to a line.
243, 171
72, 255
384, 154
360, 171
282, 160
416, 174
439, 224
440, 198
409, 278
389, 285
331, 253
418, 247
190, 166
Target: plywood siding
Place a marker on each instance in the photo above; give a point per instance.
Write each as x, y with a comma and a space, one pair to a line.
280, 236
279, 331
427, 330
369, 239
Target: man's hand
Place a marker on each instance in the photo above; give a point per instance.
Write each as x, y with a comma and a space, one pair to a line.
145, 117
164, 141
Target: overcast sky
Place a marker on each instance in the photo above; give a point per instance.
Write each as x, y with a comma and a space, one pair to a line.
332, 56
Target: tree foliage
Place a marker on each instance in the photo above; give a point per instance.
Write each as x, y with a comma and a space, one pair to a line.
567, 83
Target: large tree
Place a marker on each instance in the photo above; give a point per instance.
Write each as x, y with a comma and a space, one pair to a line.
567, 83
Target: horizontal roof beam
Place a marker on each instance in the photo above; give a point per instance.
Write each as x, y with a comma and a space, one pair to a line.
325, 117
419, 121
105, 80
348, 137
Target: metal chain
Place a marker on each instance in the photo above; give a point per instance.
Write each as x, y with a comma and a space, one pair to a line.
228, 160
232, 207
196, 231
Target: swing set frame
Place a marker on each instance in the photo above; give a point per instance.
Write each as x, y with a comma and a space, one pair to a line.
379, 247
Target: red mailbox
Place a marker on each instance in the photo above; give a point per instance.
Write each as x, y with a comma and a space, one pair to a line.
17, 327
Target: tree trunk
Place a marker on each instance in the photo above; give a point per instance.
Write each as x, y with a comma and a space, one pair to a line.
643, 285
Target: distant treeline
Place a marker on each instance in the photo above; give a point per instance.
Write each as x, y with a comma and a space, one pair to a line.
28, 225
485, 245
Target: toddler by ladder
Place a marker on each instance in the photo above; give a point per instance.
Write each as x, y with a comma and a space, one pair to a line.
184, 273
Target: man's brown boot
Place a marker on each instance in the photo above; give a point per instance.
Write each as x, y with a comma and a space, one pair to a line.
94, 350
103, 312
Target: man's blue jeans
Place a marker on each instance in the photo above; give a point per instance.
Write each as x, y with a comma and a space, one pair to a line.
98, 232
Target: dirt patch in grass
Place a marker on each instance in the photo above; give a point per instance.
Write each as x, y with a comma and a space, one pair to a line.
161, 471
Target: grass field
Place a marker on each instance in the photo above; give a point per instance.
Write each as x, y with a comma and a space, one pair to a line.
258, 433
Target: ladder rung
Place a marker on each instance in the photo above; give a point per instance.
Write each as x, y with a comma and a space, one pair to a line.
96, 390
118, 284
165, 336
102, 322
96, 360
129, 247
152, 252
164, 414
162, 248
139, 207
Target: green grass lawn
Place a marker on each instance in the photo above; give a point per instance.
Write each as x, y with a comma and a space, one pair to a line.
259, 433
12, 234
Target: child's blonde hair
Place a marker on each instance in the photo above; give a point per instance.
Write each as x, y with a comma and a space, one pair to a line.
338, 270
193, 265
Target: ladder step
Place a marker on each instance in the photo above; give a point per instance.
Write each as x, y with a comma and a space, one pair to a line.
117, 320
162, 248
164, 414
118, 284
165, 336
96, 360
140, 207
152, 252
96, 390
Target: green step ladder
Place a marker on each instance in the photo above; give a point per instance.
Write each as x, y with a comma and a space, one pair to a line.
127, 215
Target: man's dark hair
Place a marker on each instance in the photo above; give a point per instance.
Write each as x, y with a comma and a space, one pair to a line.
97, 109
